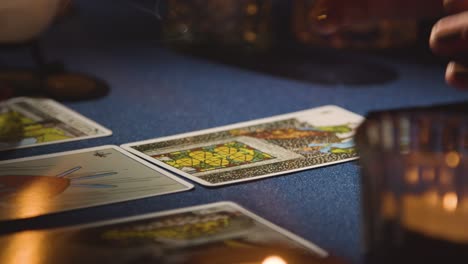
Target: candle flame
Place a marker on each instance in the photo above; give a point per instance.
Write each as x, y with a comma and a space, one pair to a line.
274, 260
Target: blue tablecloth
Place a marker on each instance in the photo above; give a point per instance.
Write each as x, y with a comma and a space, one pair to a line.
158, 92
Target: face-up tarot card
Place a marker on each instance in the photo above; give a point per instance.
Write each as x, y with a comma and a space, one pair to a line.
28, 122
256, 149
69, 180
215, 233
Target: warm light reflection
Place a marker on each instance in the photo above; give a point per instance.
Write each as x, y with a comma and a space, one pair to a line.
446, 177
25, 247
252, 9
450, 201
389, 205
29, 195
428, 174
412, 175
445, 221
33, 200
322, 17
274, 260
250, 36
432, 198
463, 205
452, 159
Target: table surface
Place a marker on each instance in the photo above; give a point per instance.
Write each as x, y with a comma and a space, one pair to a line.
158, 92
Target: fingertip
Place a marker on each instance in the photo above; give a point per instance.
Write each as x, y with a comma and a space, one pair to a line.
449, 36
450, 73
443, 36
433, 37
456, 75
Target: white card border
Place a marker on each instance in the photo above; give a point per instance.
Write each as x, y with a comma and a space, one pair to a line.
296, 238
128, 146
106, 132
188, 186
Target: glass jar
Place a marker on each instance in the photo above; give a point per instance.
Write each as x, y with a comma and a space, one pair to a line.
312, 26
415, 186
221, 23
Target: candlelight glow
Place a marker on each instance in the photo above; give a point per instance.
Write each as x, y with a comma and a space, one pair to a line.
274, 260
450, 201
25, 247
32, 201
432, 198
322, 17
252, 9
446, 176
428, 174
412, 175
452, 159
250, 36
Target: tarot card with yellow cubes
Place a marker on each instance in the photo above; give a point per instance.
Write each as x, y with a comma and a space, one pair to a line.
256, 149
28, 122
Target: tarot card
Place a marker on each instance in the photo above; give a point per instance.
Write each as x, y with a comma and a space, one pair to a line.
215, 233
69, 180
256, 149
28, 122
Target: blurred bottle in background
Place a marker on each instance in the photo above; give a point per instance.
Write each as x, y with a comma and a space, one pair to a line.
361, 24
238, 24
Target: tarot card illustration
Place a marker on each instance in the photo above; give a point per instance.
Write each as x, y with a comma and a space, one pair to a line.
222, 156
257, 149
64, 181
27, 122
213, 233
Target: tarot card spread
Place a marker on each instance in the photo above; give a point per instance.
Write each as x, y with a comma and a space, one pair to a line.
214, 233
63, 181
28, 122
257, 149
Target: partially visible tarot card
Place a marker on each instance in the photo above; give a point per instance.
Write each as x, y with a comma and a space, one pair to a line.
214, 233
64, 181
256, 149
28, 122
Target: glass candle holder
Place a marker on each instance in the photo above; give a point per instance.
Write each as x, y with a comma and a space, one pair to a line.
311, 27
221, 23
415, 186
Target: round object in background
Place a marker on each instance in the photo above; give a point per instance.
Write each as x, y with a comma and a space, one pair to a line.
23, 20
62, 86
74, 86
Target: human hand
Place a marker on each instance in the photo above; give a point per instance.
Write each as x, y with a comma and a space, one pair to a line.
449, 38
